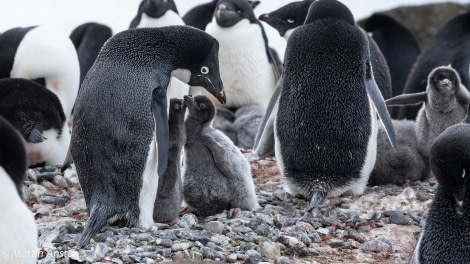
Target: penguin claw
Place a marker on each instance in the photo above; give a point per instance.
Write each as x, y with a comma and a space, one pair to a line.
233, 212
317, 200
185, 210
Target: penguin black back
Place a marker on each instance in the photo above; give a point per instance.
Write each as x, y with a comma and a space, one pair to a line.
12, 154
30, 107
121, 113
88, 40
452, 44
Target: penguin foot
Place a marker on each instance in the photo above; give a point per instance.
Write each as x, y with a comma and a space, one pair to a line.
185, 210
317, 200
233, 212
162, 226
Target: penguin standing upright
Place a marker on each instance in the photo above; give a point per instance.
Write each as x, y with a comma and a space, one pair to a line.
120, 139
37, 114
445, 237
170, 186
42, 54
452, 43
326, 121
88, 39
156, 13
17, 224
247, 67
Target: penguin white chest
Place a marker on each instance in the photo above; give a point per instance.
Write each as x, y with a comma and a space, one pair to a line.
168, 19
246, 72
17, 224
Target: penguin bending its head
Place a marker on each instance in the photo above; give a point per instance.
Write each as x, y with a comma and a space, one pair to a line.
217, 176
326, 121
444, 237
156, 13
170, 187
17, 222
120, 140
247, 66
37, 114
44, 53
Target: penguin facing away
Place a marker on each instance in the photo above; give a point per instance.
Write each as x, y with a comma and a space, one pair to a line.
170, 186
156, 13
286, 18
120, 140
201, 15
452, 43
37, 114
217, 176
42, 52
247, 67
326, 123
16, 221
264, 141
88, 39
445, 237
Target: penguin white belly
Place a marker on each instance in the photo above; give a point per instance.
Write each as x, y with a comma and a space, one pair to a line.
248, 77
168, 19
50, 54
17, 226
52, 150
149, 187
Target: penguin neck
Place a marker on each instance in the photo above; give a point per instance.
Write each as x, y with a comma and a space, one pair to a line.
194, 128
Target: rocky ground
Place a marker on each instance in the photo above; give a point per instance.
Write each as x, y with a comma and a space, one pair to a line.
379, 226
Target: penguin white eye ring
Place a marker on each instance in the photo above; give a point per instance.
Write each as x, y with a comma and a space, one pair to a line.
205, 70
202, 105
463, 174
290, 21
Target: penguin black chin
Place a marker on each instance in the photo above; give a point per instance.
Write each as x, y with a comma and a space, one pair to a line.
227, 18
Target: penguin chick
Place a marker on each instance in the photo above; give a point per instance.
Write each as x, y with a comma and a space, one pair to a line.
445, 235
445, 104
217, 176
17, 224
170, 189
402, 164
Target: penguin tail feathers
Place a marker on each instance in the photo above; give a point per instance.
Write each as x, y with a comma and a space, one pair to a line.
97, 220
317, 199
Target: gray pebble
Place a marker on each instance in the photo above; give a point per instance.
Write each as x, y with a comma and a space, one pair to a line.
53, 200
188, 221
376, 246
253, 257
400, 219
37, 190
269, 249
59, 181
283, 260
215, 227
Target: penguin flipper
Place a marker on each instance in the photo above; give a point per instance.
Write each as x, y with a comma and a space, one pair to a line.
162, 130
377, 99
266, 129
407, 99
98, 217
32, 133
225, 157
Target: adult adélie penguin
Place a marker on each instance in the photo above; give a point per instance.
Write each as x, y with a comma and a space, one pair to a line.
156, 13
326, 120
120, 138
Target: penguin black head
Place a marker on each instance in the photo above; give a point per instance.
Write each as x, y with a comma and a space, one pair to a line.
12, 153
230, 12
200, 108
450, 162
157, 8
329, 10
287, 17
443, 89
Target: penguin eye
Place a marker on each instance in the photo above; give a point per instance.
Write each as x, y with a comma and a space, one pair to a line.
202, 105
290, 21
177, 107
205, 70
463, 174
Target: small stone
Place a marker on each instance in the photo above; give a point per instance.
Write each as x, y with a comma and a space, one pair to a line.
166, 243
214, 226
37, 190
336, 243
46, 176
144, 237
269, 250
27, 194
188, 221
180, 246
70, 176
52, 200
376, 246
59, 181
363, 229
323, 231
253, 257
100, 250
315, 238
283, 260
231, 258
32, 175
400, 219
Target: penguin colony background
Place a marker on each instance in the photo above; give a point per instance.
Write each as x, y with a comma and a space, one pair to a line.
118, 107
